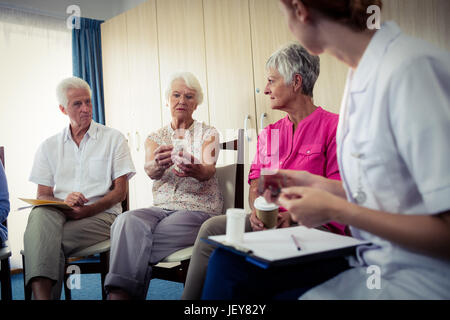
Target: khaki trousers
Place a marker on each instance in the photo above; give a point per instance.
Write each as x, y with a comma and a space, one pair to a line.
49, 238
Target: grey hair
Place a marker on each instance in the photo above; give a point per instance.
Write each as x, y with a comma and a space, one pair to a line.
293, 59
191, 82
67, 84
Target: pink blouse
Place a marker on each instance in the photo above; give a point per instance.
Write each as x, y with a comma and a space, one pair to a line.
311, 148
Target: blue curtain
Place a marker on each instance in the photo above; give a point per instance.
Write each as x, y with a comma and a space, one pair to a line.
87, 62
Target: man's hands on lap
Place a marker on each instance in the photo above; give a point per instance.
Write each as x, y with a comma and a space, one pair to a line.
77, 201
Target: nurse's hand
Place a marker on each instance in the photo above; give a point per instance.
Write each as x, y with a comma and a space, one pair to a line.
275, 180
271, 181
311, 207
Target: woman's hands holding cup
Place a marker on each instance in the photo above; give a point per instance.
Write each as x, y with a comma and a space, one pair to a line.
189, 166
185, 164
257, 225
283, 221
163, 156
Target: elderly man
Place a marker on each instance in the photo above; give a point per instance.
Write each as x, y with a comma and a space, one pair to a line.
87, 166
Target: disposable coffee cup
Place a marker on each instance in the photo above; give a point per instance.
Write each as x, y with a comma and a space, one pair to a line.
235, 225
266, 212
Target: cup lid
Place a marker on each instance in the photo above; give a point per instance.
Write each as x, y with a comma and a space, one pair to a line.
261, 204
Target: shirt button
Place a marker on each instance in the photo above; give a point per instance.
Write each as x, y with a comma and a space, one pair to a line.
308, 152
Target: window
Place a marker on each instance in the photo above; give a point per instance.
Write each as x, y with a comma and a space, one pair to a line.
35, 54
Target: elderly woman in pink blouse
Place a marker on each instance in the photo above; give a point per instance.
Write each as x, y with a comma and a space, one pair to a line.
303, 140
185, 194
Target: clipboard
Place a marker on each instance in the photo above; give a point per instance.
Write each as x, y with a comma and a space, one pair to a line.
271, 248
38, 202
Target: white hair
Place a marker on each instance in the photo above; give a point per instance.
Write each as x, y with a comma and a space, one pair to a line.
67, 84
191, 82
293, 59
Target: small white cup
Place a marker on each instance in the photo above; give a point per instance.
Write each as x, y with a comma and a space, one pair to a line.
235, 225
179, 145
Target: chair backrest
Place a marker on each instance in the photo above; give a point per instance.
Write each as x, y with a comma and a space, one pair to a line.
231, 177
2, 159
2, 155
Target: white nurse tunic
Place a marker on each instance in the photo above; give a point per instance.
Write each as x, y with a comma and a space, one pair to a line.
393, 145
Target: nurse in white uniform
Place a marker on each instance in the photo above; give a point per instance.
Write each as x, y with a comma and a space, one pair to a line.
393, 153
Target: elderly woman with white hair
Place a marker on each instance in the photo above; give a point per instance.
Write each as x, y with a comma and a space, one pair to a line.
185, 192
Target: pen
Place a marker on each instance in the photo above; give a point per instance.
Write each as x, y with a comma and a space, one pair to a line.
296, 242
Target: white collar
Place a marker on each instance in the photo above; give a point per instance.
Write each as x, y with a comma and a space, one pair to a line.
92, 131
373, 55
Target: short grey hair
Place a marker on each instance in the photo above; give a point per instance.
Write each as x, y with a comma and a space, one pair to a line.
293, 59
67, 84
191, 82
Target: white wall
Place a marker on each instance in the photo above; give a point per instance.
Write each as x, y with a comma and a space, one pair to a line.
35, 55
95, 9
44, 118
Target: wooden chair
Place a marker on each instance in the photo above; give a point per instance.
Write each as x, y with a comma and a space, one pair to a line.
231, 181
5, 253
5, 271
93, 259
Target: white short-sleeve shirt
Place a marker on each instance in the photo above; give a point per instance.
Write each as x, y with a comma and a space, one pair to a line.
393, 144
102, 157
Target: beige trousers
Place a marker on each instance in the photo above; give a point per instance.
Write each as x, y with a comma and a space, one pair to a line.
49, 238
